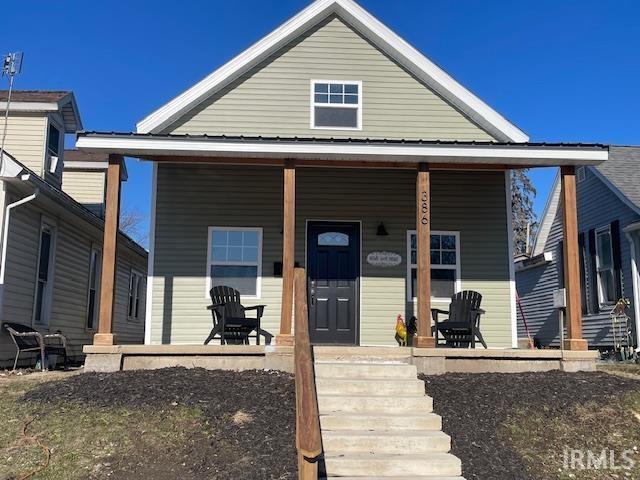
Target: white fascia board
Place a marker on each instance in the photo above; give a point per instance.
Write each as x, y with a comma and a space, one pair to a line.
532, 156
84, 165
30, 106
370, 27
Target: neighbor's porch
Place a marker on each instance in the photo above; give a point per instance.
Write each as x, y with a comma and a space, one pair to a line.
423, 160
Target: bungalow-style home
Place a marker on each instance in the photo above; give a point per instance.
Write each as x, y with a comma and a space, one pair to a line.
52, 217
335, 145
608, 199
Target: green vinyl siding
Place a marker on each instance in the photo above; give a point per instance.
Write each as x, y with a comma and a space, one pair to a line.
191, 198
273, 98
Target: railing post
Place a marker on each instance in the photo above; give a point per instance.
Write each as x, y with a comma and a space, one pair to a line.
308, 439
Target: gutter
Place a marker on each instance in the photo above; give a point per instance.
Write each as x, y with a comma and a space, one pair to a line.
5, 235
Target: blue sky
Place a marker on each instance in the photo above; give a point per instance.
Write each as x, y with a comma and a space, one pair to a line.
560, 70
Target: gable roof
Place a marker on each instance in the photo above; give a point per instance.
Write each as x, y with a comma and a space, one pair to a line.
368, 26
60, 101
620, 173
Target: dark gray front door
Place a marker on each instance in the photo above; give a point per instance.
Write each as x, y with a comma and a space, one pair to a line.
333, 270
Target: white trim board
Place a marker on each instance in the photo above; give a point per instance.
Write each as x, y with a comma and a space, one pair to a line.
512, 271
151, 257
486, 154
370, 27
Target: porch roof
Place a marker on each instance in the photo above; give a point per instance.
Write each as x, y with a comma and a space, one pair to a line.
516, 155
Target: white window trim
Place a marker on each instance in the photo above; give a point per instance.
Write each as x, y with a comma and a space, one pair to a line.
312, 103
601, 230
47, 163
457, 284
210, 262
98, 249
138, 273
47, 300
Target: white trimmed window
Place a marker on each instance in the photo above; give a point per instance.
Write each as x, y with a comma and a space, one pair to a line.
44, 277
135, 295
234, 259
445, 264
336, 105
54, 142
93, 294
606, 277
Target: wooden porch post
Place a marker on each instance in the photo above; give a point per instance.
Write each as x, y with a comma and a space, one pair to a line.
423, 237
574, 339
105, 334
288, 253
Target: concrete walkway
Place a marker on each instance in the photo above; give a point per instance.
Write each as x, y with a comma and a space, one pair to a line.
377, 422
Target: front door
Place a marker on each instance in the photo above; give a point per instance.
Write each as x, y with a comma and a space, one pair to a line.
333, 269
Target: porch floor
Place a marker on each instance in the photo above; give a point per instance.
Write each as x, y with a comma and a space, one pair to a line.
430, 361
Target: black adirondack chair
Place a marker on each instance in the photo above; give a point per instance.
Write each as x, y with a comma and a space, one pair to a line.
229, 319
28, 339
463, 325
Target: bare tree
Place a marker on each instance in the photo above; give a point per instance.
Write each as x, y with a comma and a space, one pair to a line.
524, 218
133, 223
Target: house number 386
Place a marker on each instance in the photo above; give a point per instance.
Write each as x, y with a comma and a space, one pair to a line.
424, 208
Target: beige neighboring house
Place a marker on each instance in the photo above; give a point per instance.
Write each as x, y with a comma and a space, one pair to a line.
333, 144
52, 217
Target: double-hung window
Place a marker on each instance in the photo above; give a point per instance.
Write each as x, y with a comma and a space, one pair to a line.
44, 278
235, 259
605, 272
445, 264
93, 294
336, 105
135, 294
53, 149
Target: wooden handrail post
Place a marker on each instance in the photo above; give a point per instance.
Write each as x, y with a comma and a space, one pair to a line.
105, 334
308, 439
288, 253
571, 261
423, 238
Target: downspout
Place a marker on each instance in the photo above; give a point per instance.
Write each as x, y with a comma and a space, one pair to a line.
634, 279
5, 239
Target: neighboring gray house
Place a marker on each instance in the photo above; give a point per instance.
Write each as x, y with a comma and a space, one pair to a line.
333, 144
608, 197
51, 212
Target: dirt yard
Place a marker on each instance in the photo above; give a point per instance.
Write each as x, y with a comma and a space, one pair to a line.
530, 426
162, 425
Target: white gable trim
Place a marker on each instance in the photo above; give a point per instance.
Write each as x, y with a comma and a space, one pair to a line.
371, 28
548, 215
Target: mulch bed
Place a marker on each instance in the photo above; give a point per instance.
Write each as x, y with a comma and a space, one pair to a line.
474, 408
250, 414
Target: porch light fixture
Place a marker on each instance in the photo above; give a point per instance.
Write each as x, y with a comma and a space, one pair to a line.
382, 232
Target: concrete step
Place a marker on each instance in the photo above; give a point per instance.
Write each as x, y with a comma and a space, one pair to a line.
369, 386
417, 420
396, 404
389, 465
395, 370
412, 477
358, 354
398, 442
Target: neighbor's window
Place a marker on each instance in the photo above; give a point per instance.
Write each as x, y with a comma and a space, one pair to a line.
135, 294
604, 266
580, 174
336, 105
95, 268
235, 259
445, 264
44, 277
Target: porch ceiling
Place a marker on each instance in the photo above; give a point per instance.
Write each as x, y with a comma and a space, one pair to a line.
186, 147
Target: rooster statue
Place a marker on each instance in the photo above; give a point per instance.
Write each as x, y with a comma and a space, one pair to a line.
401, 331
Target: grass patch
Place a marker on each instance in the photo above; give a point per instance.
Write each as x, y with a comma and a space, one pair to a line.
544, 438
84, 441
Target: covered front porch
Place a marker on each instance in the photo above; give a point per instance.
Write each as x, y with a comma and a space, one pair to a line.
438, 214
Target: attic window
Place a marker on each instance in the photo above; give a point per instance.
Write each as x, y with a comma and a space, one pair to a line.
336, 105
